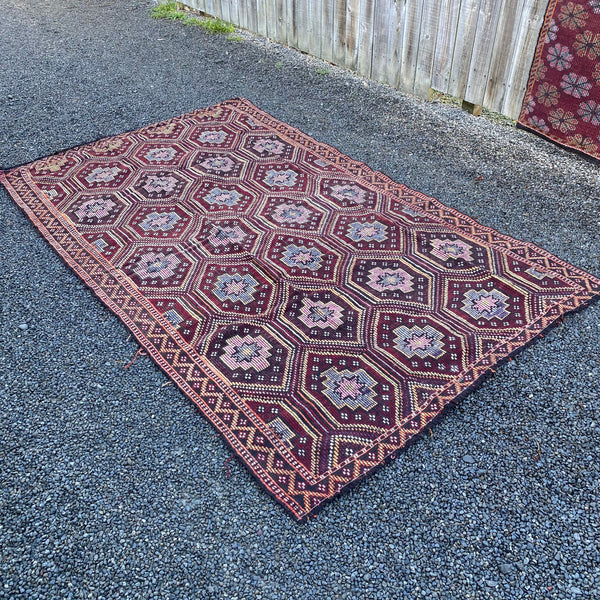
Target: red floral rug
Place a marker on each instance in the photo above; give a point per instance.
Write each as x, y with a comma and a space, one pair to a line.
319, 314
562, 101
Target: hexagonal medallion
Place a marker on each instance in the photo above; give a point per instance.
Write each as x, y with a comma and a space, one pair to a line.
219, 164
323, 316
267, 146
351, 390
225, 236
450, 251
213, 135
57, 166
423, 345
292, 213
347, 194
159, 185
391, 279
162, 221
487, 304
249, 355
369, 232
281, 176
159, 154
114, 146
302, 257
167, 130
96, 209
157, 266
240, 289
95, 175
215, 197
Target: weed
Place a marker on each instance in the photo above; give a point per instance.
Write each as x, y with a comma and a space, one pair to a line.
214, 25
322, 71
235, 38
278, 65
168, 10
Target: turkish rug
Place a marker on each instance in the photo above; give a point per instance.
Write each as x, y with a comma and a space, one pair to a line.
319, 314
562, 101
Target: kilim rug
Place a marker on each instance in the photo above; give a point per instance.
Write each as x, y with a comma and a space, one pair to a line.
319, 314
562, 101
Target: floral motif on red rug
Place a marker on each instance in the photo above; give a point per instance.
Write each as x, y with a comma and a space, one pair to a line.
562, 101
319, 314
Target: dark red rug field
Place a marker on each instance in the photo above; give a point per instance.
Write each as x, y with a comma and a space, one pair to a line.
562, 101
319, 314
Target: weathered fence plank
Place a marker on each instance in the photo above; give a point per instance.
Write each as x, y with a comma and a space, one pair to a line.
308, 27
278, 26
339, 32
478, 50
463, 47
410, 44
430, 20
352, 40
532, 19
388, 32
327, 19
446, 38
365, 37
485, 34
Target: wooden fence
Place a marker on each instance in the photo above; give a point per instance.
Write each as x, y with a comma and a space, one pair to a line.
477, 50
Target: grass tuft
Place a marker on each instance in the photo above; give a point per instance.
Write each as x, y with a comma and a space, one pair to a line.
168, 10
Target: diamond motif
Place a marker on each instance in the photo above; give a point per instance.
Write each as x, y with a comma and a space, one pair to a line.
103, 175
156, 264
484, 304
367, 232
212, 137
349, 193
97, 207
417, 341
163, 221
285, 177
455, 249
221, 235
268, 146
321, 314
223, 197
288, 212
384, 280
160, 154
247, 353
302, 257
350, 389
236, 287
220, 164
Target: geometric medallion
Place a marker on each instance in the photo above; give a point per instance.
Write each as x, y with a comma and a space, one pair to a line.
486, 304
417, 341
351, 389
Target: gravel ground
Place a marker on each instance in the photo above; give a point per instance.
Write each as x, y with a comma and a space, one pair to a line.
112, 485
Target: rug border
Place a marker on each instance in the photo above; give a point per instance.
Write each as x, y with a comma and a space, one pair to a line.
305, 514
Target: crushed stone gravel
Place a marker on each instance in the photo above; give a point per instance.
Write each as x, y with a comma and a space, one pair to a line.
112, 485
